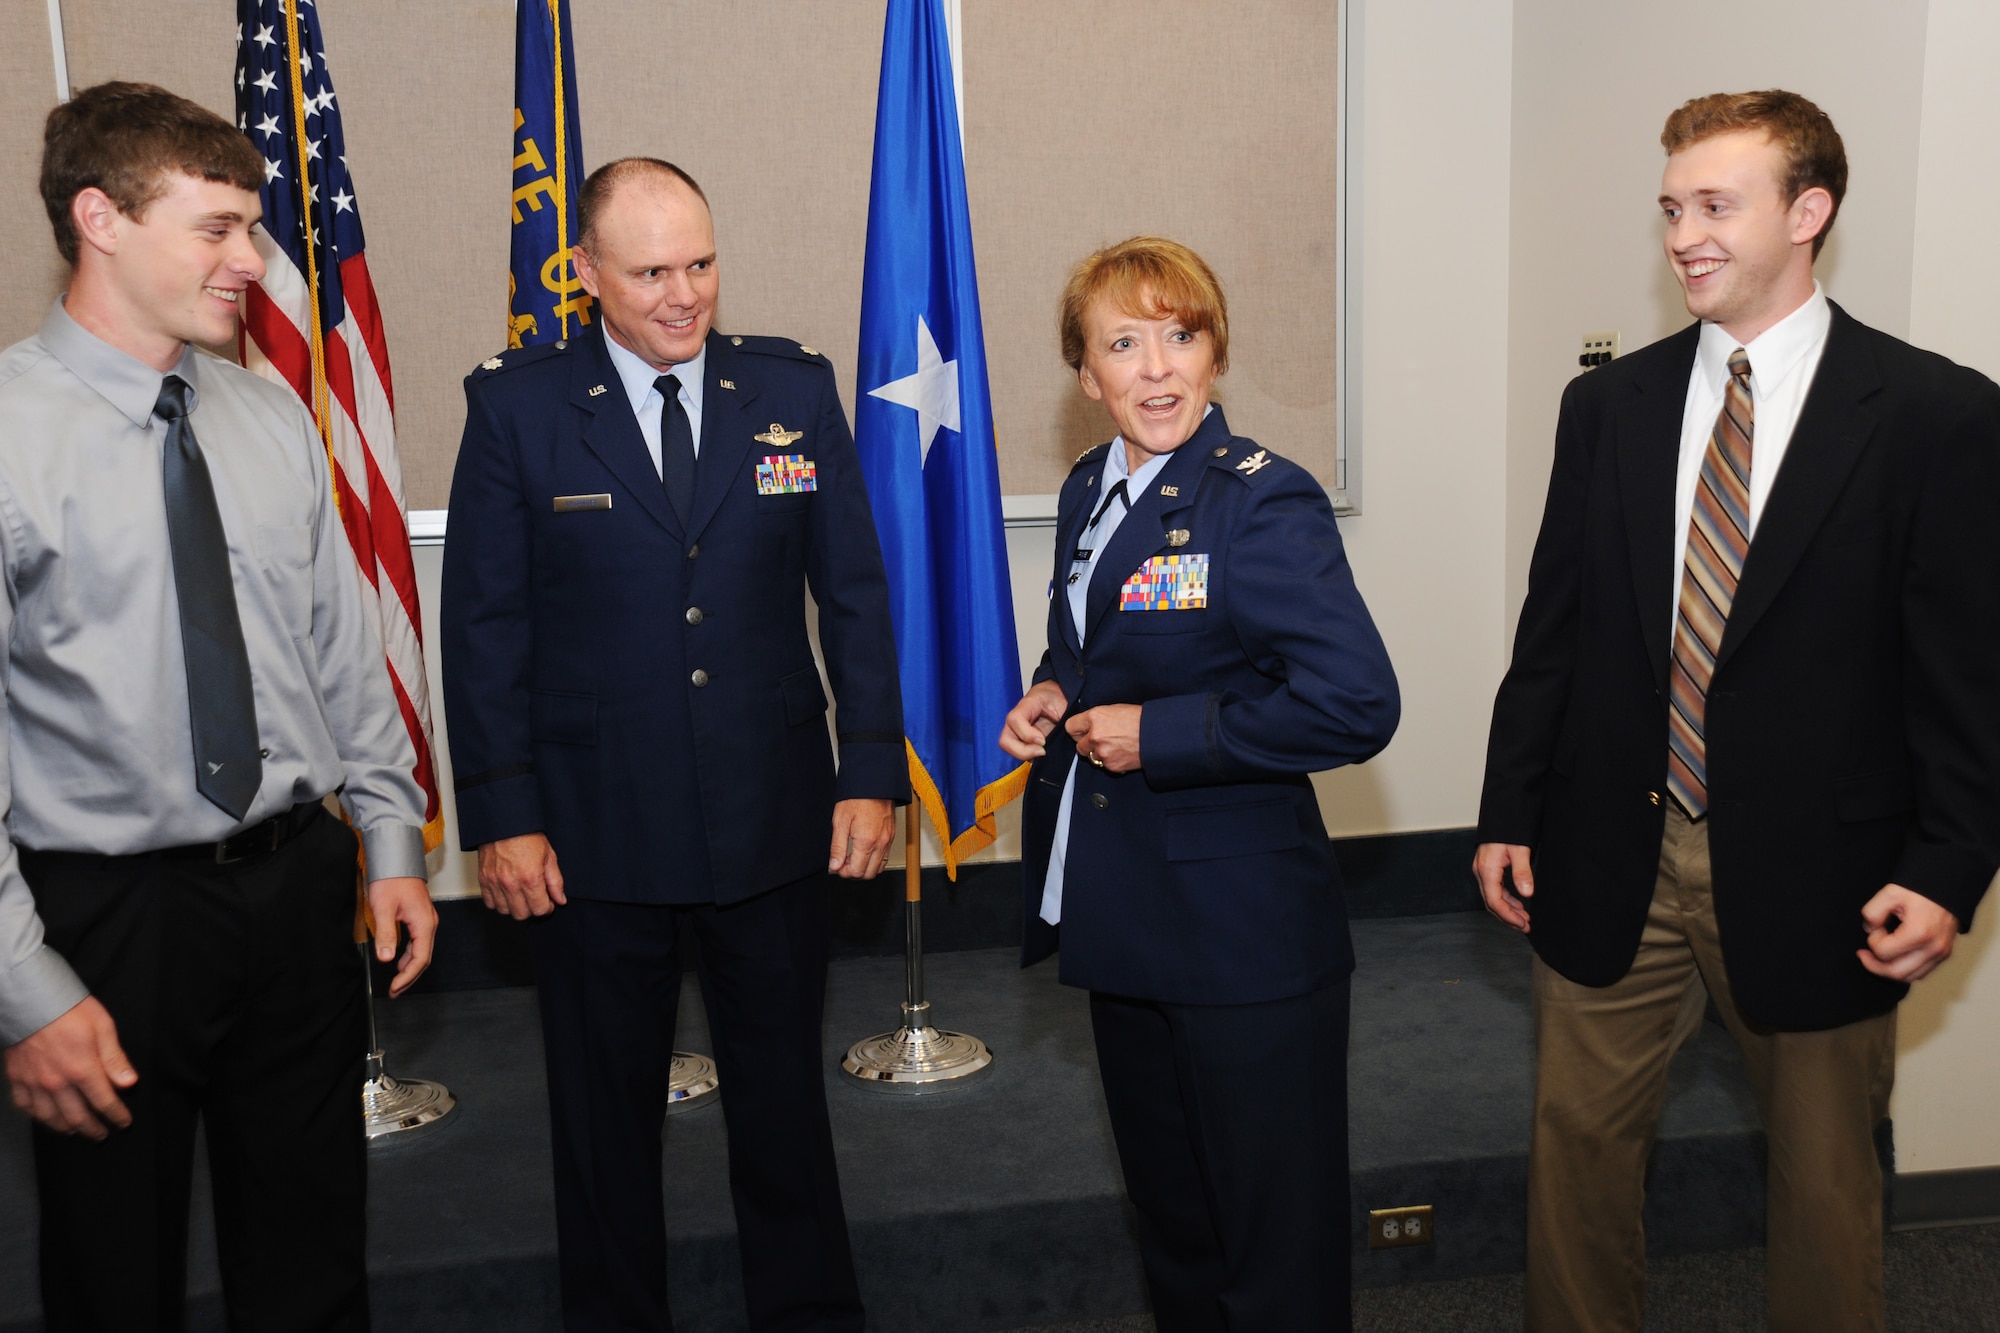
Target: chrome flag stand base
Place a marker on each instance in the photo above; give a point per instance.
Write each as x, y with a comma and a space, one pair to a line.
916, 1058
691, 1082
396, 1109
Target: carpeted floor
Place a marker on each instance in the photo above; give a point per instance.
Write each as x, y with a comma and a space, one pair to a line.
1945, 1280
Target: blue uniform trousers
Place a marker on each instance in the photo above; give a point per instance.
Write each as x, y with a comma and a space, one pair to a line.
609, 975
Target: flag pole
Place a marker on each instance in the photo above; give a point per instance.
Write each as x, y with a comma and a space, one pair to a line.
916, 1057
391, 1106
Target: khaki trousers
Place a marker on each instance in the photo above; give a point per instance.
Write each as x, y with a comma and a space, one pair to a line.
1601, 1079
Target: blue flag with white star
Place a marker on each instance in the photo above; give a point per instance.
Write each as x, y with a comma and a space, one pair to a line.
545, 299
923, 423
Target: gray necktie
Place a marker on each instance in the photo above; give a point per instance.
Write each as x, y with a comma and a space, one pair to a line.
676, 448
221, 709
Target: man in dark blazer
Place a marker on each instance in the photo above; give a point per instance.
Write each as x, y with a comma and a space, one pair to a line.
640, 739
1748, 747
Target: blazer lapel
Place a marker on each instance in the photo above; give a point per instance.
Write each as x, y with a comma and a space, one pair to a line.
1832, 430
1143, 533
610, 430
1069, 532
728, 430
1648, 459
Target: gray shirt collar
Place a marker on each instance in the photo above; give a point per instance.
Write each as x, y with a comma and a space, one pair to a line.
124, 381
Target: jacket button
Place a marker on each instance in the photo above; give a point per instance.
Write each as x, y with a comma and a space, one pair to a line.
694, 615
694, 550
1653, 796
1099, 799
700, 678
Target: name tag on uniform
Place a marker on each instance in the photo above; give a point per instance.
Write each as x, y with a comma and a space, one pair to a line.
570, 504
787, 474
1167, 583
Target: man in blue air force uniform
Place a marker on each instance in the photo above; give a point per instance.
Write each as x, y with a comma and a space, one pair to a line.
640, 740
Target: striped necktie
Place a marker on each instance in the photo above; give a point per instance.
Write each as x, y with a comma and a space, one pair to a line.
1718, 541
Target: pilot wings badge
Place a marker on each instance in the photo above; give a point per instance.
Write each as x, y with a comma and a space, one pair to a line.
778, 437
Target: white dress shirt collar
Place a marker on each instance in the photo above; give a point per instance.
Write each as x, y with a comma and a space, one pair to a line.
1775, 353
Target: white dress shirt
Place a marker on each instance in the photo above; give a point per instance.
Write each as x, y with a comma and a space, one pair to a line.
638, 377
1783, 360
1090, 547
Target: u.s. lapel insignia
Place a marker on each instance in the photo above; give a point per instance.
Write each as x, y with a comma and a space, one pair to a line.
596, 390
778, 437
1178, 537
1254, 463
727, 384
1171, 490
490, 363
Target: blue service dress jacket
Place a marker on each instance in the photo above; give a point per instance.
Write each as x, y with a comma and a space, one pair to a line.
1205, 876
641, 691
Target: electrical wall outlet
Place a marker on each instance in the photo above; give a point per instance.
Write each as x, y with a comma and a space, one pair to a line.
1392, 1228
1598, 348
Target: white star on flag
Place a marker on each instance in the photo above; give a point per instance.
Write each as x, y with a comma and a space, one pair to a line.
932, 393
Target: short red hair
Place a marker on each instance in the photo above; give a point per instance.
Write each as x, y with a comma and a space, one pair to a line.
1149, 277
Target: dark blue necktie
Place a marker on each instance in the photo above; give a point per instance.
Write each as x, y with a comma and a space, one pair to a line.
676, 449
221, 709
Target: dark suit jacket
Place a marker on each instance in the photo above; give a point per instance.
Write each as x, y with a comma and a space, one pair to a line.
1206, 877
1853, 721
571, 639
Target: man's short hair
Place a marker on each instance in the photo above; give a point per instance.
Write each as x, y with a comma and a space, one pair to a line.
1148, 277
124, 139
1804, 135
601, 184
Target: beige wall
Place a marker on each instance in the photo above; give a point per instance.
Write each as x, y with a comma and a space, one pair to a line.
27, 91
1089, 123
771, 104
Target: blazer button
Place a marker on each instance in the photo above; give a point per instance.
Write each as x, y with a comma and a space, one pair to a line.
700, 678
1099, 799
694, 615
694, 550
1653, 796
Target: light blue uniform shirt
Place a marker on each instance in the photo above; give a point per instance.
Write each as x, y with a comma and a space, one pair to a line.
638, 377
1094, 539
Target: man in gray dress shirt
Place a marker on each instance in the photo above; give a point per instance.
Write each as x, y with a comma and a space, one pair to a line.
171, 947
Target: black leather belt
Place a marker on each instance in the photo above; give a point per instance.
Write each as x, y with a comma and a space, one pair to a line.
260, 839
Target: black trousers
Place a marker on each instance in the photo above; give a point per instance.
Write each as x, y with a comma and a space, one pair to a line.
1231, 1123
237, 994
610, 983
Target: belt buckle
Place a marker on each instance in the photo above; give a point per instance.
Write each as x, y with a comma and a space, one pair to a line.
274, 826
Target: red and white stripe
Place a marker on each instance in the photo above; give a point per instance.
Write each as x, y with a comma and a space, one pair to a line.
367, 481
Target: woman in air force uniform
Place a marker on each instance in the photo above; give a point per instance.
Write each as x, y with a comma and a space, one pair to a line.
1207, 651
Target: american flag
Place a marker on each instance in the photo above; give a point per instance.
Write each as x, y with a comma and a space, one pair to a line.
313, 323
